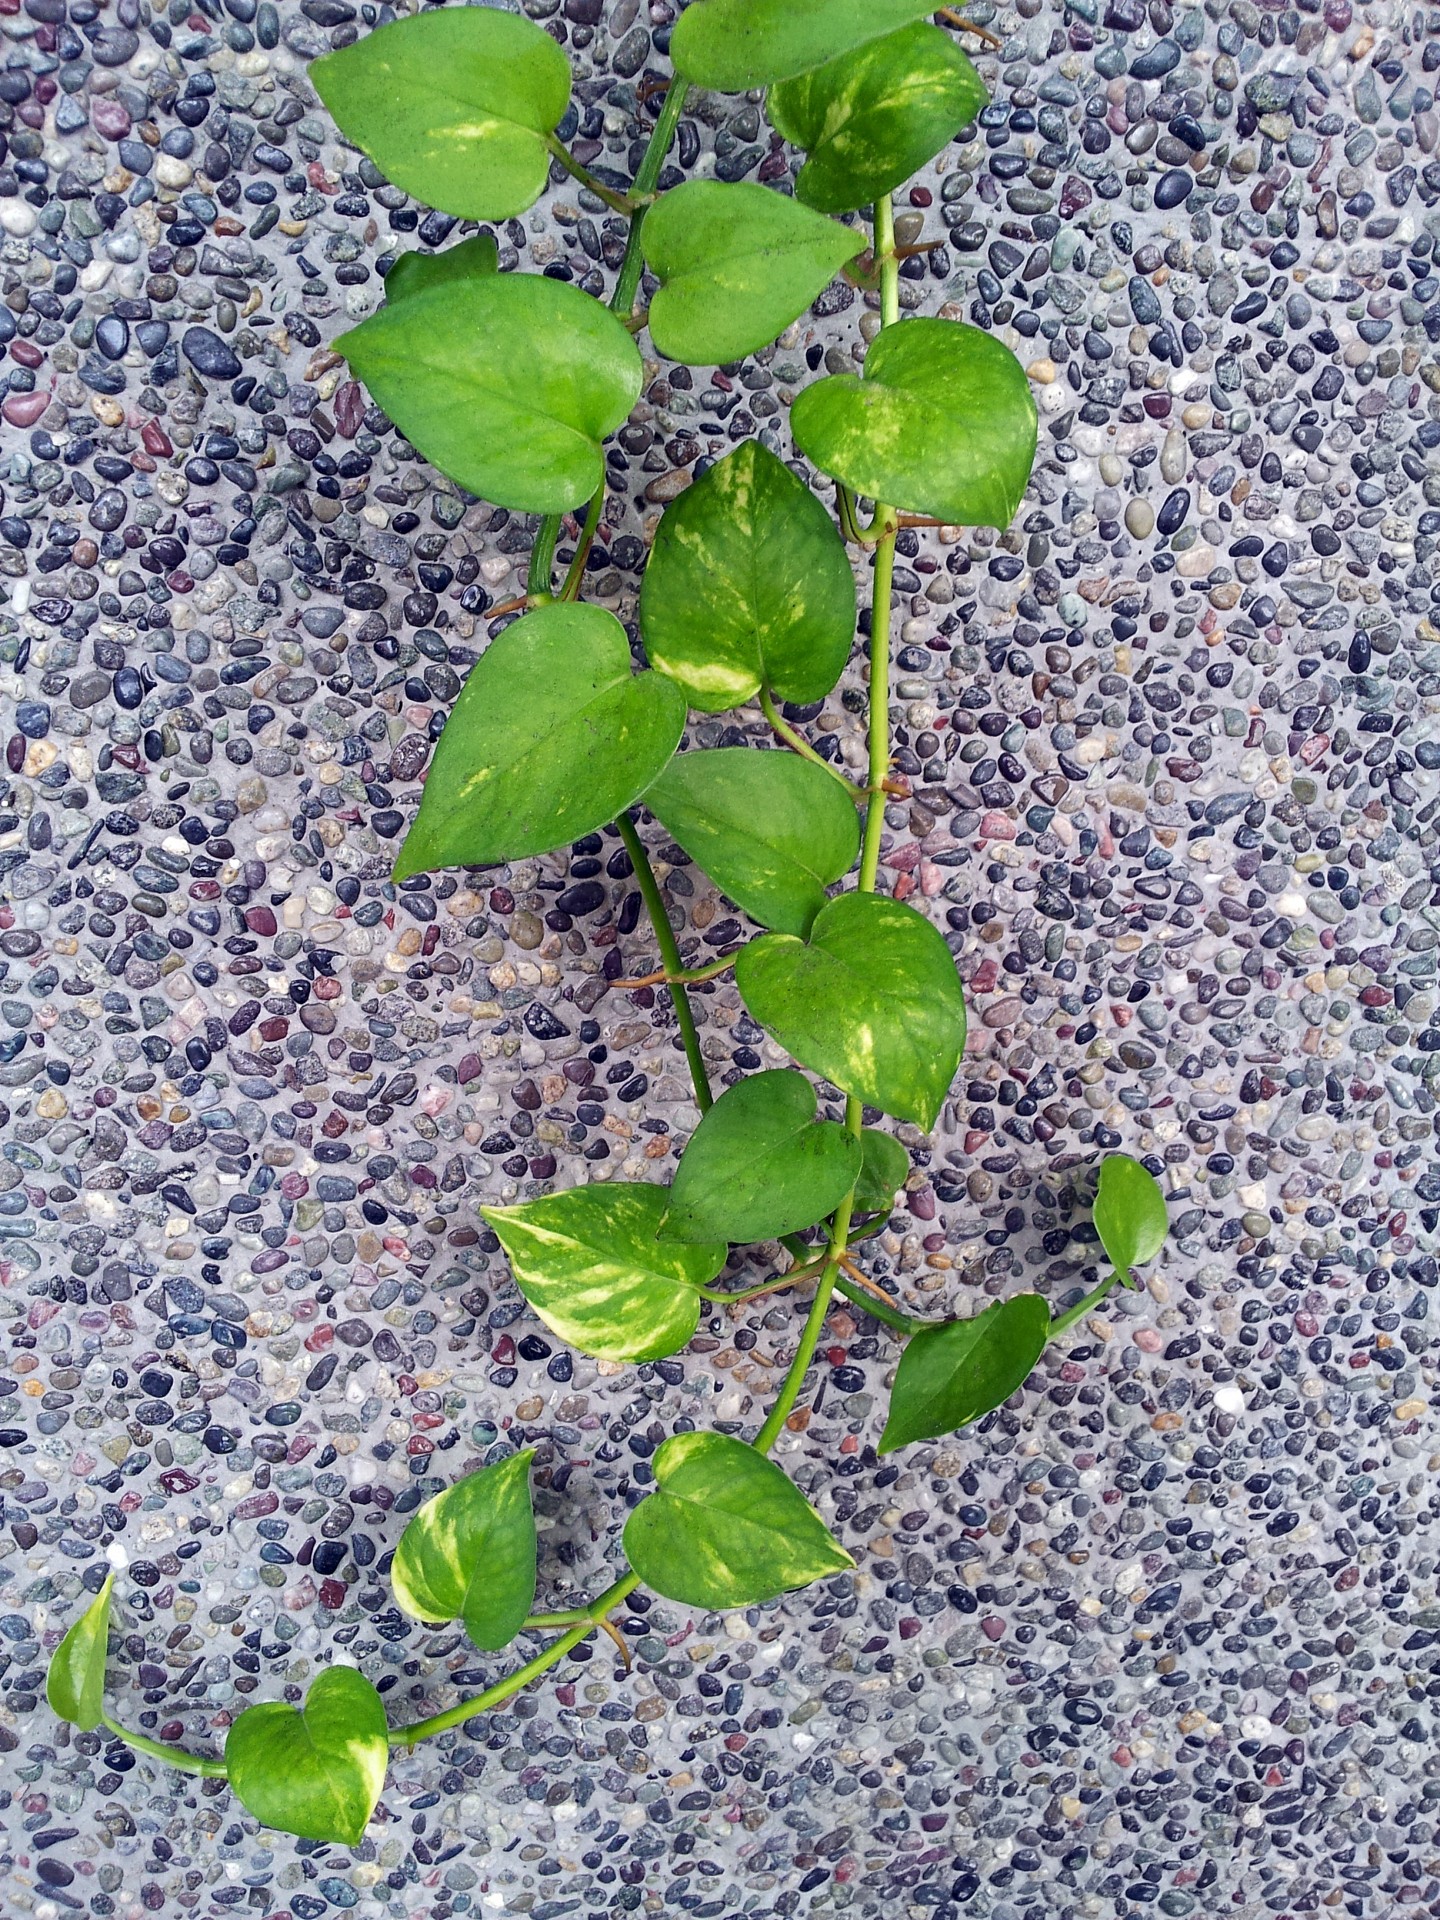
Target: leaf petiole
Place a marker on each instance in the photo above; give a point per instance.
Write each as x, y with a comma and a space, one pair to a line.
687, 976
797, 742
620, 202
670, 956
962, 25
209, 1769
1063, 1322
573, 579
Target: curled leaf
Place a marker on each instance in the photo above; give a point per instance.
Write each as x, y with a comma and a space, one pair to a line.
469, 1554
75, 1682
1129, 1212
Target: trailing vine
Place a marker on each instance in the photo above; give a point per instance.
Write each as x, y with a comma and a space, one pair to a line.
510, 384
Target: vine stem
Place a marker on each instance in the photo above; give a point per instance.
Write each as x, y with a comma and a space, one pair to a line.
172, 1756
522, 1676
885, 519
571, 588
619, 202
622, 300
797, 742
669, 957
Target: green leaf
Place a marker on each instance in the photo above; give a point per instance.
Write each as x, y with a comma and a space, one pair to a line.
952, 1373
736, 264
942, 422
870, 119
725, 1528
317, 1770
748, 585
883, 1173
508, 382
75, 1683
760, 1164
872, 1001
590, 1265
731, 45
770, 829
454, 107
417, 272
1129, 1212
551, 737
469, 1554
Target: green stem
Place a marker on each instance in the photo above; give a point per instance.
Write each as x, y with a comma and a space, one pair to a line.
542, 558
571, 588
797, 742
172, 1756
882, 587
619, 202
809, 1340
513, 1683
669, 958
1063, 1322
622, 301
536, 1621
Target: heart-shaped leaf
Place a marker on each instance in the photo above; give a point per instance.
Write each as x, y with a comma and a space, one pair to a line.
1129, 1212
870, 119
770, 829
725, 1528
872, 1001
590, 1265
454, 106
883, 1173
941, 423
551, 737
469, 1554
736, 264
952, 1373
315, 1771
418, 272
508, 382
748, 585
731, 45
75, 1682
760, 1164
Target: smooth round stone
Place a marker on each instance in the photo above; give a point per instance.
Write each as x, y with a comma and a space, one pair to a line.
1140, 519
112, 337
209, 354
1173, 188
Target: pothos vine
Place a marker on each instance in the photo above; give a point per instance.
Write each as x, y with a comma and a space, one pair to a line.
510, 383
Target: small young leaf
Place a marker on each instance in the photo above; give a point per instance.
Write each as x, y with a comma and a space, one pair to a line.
725, 1528
760, 1164
731, 45
748, 585
75, 1683
870, 119
551, 737
418, 272
770, 829
951, 1373
317, 1770
942, 423
470, 1554
1129, 1212
736, 264
590, 1265
872, 1001
508, 382
883, 1173
453, 106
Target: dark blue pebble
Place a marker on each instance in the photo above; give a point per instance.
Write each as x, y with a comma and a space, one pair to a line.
1173, 188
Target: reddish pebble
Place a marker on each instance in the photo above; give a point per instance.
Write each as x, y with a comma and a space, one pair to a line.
154, 438
24, 409
261, 920
349, 409
332, 1594
109, 118
993, 1627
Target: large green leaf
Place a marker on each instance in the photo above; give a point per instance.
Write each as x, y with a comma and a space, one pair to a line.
736, 265
317, 1770
770, 829
418, 272
748, 585
469, 1554
1129, 1212
508, 382
883, 1173
75, 1682
952, 1373
731, 45
872, 1001
590, 1265
454, 106
870, 119
725, 1528
551, 737
760, 1164
941, 422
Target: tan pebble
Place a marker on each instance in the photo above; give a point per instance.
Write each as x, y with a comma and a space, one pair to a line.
1140, 519
1042, 372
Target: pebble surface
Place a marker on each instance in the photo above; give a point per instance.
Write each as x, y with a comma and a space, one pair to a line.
1158, 1636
